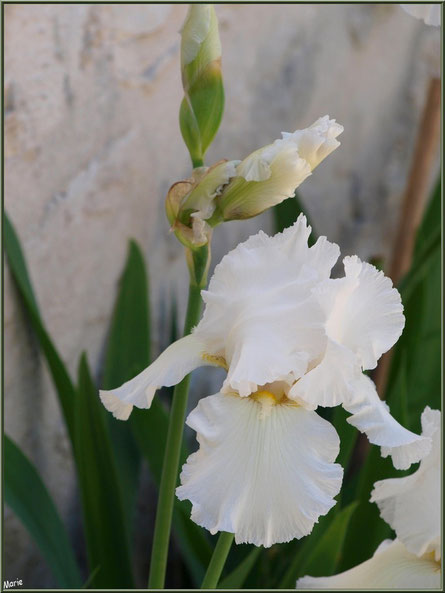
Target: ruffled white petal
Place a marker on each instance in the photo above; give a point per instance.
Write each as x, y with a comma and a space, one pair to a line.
429, 13
364, 312
260, 313
411, 505
169, 368
391, 567
331, 381
247, 268
262, 347
313, 144
316, 142
372, 416
264, 473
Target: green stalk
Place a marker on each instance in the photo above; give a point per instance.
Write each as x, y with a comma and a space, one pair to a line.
169, 476
218, 560
197, 163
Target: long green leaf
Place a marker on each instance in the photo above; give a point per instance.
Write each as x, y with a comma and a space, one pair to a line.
328, 552
420, 344
432, 218
421, 265
62, 382
127, 354
103, 513
320, 553
28, 497
128, 348
236, 579
366, 518
399, 393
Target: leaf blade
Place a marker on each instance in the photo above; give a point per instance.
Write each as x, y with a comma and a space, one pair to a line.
59, 374
235, 580
103, 514
24, 492
127, 354
317, 555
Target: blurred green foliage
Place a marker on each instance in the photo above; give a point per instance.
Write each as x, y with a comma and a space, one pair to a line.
28, 497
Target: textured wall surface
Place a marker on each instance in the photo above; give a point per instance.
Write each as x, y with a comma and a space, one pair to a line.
92, 145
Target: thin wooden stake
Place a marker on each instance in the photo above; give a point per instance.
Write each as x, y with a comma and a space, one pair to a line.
414, 201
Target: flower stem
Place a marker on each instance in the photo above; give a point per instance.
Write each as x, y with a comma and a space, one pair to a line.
164, 512
218, 560
197, 163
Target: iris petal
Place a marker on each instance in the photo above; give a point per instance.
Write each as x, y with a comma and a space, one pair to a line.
264, 473
411, 505
391, 567
169, 368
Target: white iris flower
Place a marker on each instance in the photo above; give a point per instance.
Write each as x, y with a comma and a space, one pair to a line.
291, 339
274, 314
411, 506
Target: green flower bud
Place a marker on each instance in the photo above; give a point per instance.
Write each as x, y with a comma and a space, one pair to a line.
271, 174
202, 107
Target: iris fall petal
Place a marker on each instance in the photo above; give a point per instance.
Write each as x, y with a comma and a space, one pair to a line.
264, 471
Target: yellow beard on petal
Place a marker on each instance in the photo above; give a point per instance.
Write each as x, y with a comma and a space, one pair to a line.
431, 557
216, 360
268, 399
264, 396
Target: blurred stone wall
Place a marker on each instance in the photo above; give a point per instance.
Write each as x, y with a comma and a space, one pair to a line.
92, 145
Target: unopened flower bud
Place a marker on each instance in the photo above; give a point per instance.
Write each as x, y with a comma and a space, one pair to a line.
271, 174
202, 107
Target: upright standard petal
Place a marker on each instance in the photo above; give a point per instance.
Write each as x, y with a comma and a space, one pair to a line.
411, 505
172, 366
364, 312
372, 416
260, 313
264, 470
391, 567
317, 141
